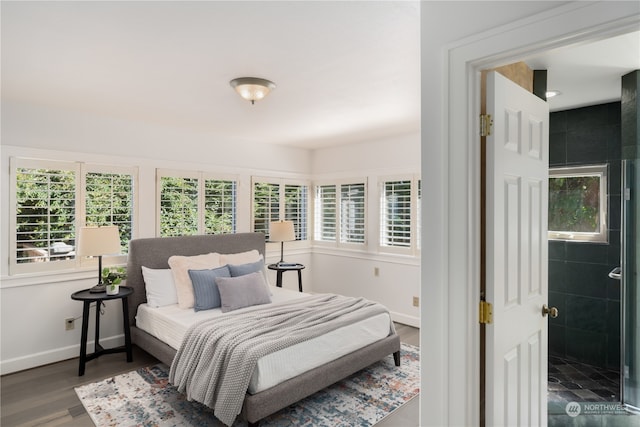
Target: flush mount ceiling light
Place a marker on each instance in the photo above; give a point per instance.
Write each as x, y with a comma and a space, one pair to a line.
252, 88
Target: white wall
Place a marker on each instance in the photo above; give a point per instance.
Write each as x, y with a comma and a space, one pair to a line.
449, 387
351, 272
33, 307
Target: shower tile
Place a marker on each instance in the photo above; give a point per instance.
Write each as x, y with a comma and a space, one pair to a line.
557, 250
588, 314
614, 211
557, 276
587, 279
594, 253
614, 176
585, 146
557, 148
587, 346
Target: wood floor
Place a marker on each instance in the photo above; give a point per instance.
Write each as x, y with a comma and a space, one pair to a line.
45, 396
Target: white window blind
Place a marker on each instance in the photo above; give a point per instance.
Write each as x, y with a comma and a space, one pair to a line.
220, 206
275, 199
45, 203
326, 213
266, 206
296, 208
178, 206
196, 203
52, 199
352, 213
395, 221
109, 200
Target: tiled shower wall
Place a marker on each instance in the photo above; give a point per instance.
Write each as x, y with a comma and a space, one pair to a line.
588, 326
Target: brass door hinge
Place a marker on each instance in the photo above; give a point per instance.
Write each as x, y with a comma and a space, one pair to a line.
486, 312
485, 124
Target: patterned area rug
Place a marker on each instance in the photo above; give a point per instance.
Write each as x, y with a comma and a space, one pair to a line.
144, 398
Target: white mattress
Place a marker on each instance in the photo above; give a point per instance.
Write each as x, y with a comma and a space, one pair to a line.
170, 323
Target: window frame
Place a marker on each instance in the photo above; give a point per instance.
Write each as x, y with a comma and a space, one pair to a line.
201, 177
80, 169
338, 242
601, 171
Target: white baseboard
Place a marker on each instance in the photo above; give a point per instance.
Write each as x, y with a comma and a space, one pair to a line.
405, 320
56, 355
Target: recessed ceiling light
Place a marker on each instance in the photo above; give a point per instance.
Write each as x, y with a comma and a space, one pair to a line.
552, 93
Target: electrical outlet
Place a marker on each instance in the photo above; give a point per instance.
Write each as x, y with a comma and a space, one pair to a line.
376, 271
416, 301
69, 323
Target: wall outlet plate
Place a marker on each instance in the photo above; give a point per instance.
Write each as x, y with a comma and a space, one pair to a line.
69, 323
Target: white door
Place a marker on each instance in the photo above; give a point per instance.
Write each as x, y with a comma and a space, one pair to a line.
517, 198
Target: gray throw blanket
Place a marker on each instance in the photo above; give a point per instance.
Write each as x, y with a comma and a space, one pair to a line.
217, 357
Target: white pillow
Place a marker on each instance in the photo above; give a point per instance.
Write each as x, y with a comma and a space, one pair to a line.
160, 287
180, 265
240, 257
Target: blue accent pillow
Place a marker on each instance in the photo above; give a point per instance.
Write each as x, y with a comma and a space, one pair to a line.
205, 290
243, 269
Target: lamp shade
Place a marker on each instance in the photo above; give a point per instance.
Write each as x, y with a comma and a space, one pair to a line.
94, 241
281, 231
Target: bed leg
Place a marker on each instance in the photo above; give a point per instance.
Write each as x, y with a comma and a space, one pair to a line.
396, 358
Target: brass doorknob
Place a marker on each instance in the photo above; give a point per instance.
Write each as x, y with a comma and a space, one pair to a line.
551, 311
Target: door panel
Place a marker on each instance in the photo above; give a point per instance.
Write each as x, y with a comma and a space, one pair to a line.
517, 260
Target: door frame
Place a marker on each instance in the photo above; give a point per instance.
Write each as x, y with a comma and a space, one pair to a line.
450, 310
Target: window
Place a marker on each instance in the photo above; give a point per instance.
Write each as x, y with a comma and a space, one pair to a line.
220, 206
400, 199
352, 213
196, 203
578, 203
296, 208
266, 206
109, 200
178, 206
340, 213
395, 209
326, 213
52, 199
275, 199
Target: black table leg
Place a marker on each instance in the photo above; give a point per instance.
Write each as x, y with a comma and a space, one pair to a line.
300, 280
279, 278
97, 346
127, 332
83, 339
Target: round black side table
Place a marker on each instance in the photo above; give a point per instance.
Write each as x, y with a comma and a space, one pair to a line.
281, 268
98, 297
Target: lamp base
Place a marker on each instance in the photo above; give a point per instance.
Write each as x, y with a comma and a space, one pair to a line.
98, 288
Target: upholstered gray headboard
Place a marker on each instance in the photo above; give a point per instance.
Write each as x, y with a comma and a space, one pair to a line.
154, 253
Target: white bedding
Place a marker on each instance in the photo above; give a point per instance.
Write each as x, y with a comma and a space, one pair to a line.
169, 324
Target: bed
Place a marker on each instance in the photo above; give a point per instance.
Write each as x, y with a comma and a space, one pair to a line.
260, 402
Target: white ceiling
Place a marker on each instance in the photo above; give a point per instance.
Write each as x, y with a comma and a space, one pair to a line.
588, 73
345, 71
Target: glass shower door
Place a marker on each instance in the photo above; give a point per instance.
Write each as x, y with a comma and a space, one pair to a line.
630, 353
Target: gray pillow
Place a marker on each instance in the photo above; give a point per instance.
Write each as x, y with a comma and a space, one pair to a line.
242, 291
242, 269
205, 289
